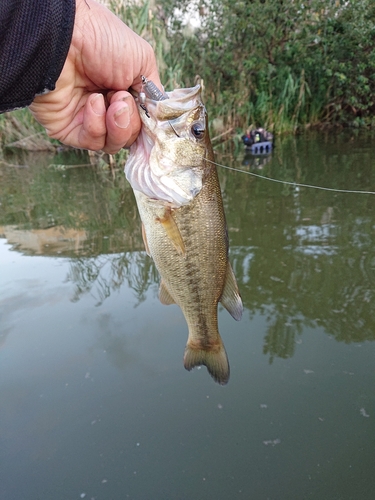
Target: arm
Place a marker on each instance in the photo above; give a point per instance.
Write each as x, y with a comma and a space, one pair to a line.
34, 41
90, 106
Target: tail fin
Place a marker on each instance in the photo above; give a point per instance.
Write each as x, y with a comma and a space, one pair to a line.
214, 358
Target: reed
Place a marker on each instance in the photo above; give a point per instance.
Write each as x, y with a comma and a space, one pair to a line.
270, 64
19, 130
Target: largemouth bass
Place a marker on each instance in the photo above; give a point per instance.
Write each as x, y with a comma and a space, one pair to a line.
176, 186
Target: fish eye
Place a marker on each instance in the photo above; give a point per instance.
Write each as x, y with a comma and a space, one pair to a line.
198, 130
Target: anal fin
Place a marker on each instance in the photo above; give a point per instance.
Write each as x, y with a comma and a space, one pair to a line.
231, 298
164, 296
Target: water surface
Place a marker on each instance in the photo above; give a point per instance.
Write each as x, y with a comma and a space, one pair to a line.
95, 402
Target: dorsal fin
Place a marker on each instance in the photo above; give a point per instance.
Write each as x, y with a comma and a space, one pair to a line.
231, 298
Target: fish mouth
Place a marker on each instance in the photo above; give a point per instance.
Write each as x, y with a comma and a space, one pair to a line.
180, 101
153, 168
167, 188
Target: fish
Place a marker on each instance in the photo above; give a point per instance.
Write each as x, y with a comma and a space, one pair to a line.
176, 186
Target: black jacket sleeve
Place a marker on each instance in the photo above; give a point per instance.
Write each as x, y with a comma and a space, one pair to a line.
35, 36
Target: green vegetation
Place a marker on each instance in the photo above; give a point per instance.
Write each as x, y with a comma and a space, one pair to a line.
280, 64
284, 65
19, 129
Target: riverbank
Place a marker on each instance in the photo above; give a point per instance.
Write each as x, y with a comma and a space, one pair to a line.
267, 64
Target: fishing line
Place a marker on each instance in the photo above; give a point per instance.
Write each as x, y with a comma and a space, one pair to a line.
150, 90
295, 184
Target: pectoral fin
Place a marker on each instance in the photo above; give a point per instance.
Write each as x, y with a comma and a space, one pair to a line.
164, 296
230, 298
173, 233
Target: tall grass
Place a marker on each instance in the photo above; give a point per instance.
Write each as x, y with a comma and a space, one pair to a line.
144, 20
19, 129
270, 64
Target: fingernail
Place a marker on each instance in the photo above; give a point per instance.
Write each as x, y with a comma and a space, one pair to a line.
122, 117
97, 105
129, 102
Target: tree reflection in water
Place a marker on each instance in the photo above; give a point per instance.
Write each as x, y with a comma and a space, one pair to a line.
295, 282
105, 274
302, 258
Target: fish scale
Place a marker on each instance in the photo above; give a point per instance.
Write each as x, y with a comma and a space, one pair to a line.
186, 237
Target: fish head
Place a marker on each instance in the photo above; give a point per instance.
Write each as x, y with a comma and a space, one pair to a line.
168, 161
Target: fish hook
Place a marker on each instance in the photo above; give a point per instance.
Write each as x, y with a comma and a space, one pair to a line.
151, 91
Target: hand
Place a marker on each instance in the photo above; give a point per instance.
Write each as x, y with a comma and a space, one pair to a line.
90, 107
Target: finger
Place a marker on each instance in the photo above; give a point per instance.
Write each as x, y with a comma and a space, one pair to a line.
123, 122
147, 67
92, 133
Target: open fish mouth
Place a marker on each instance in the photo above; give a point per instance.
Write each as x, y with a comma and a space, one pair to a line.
161, 164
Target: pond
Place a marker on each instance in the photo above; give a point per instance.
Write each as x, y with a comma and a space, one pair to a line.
95, 401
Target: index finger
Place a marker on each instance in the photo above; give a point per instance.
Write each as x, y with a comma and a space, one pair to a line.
146, 66
123, 122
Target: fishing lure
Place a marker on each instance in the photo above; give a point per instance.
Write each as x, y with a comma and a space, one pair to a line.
151, 91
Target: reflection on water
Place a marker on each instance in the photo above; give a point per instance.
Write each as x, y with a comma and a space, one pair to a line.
107, 273
53, 240
78, 211
301, 256
305, 266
